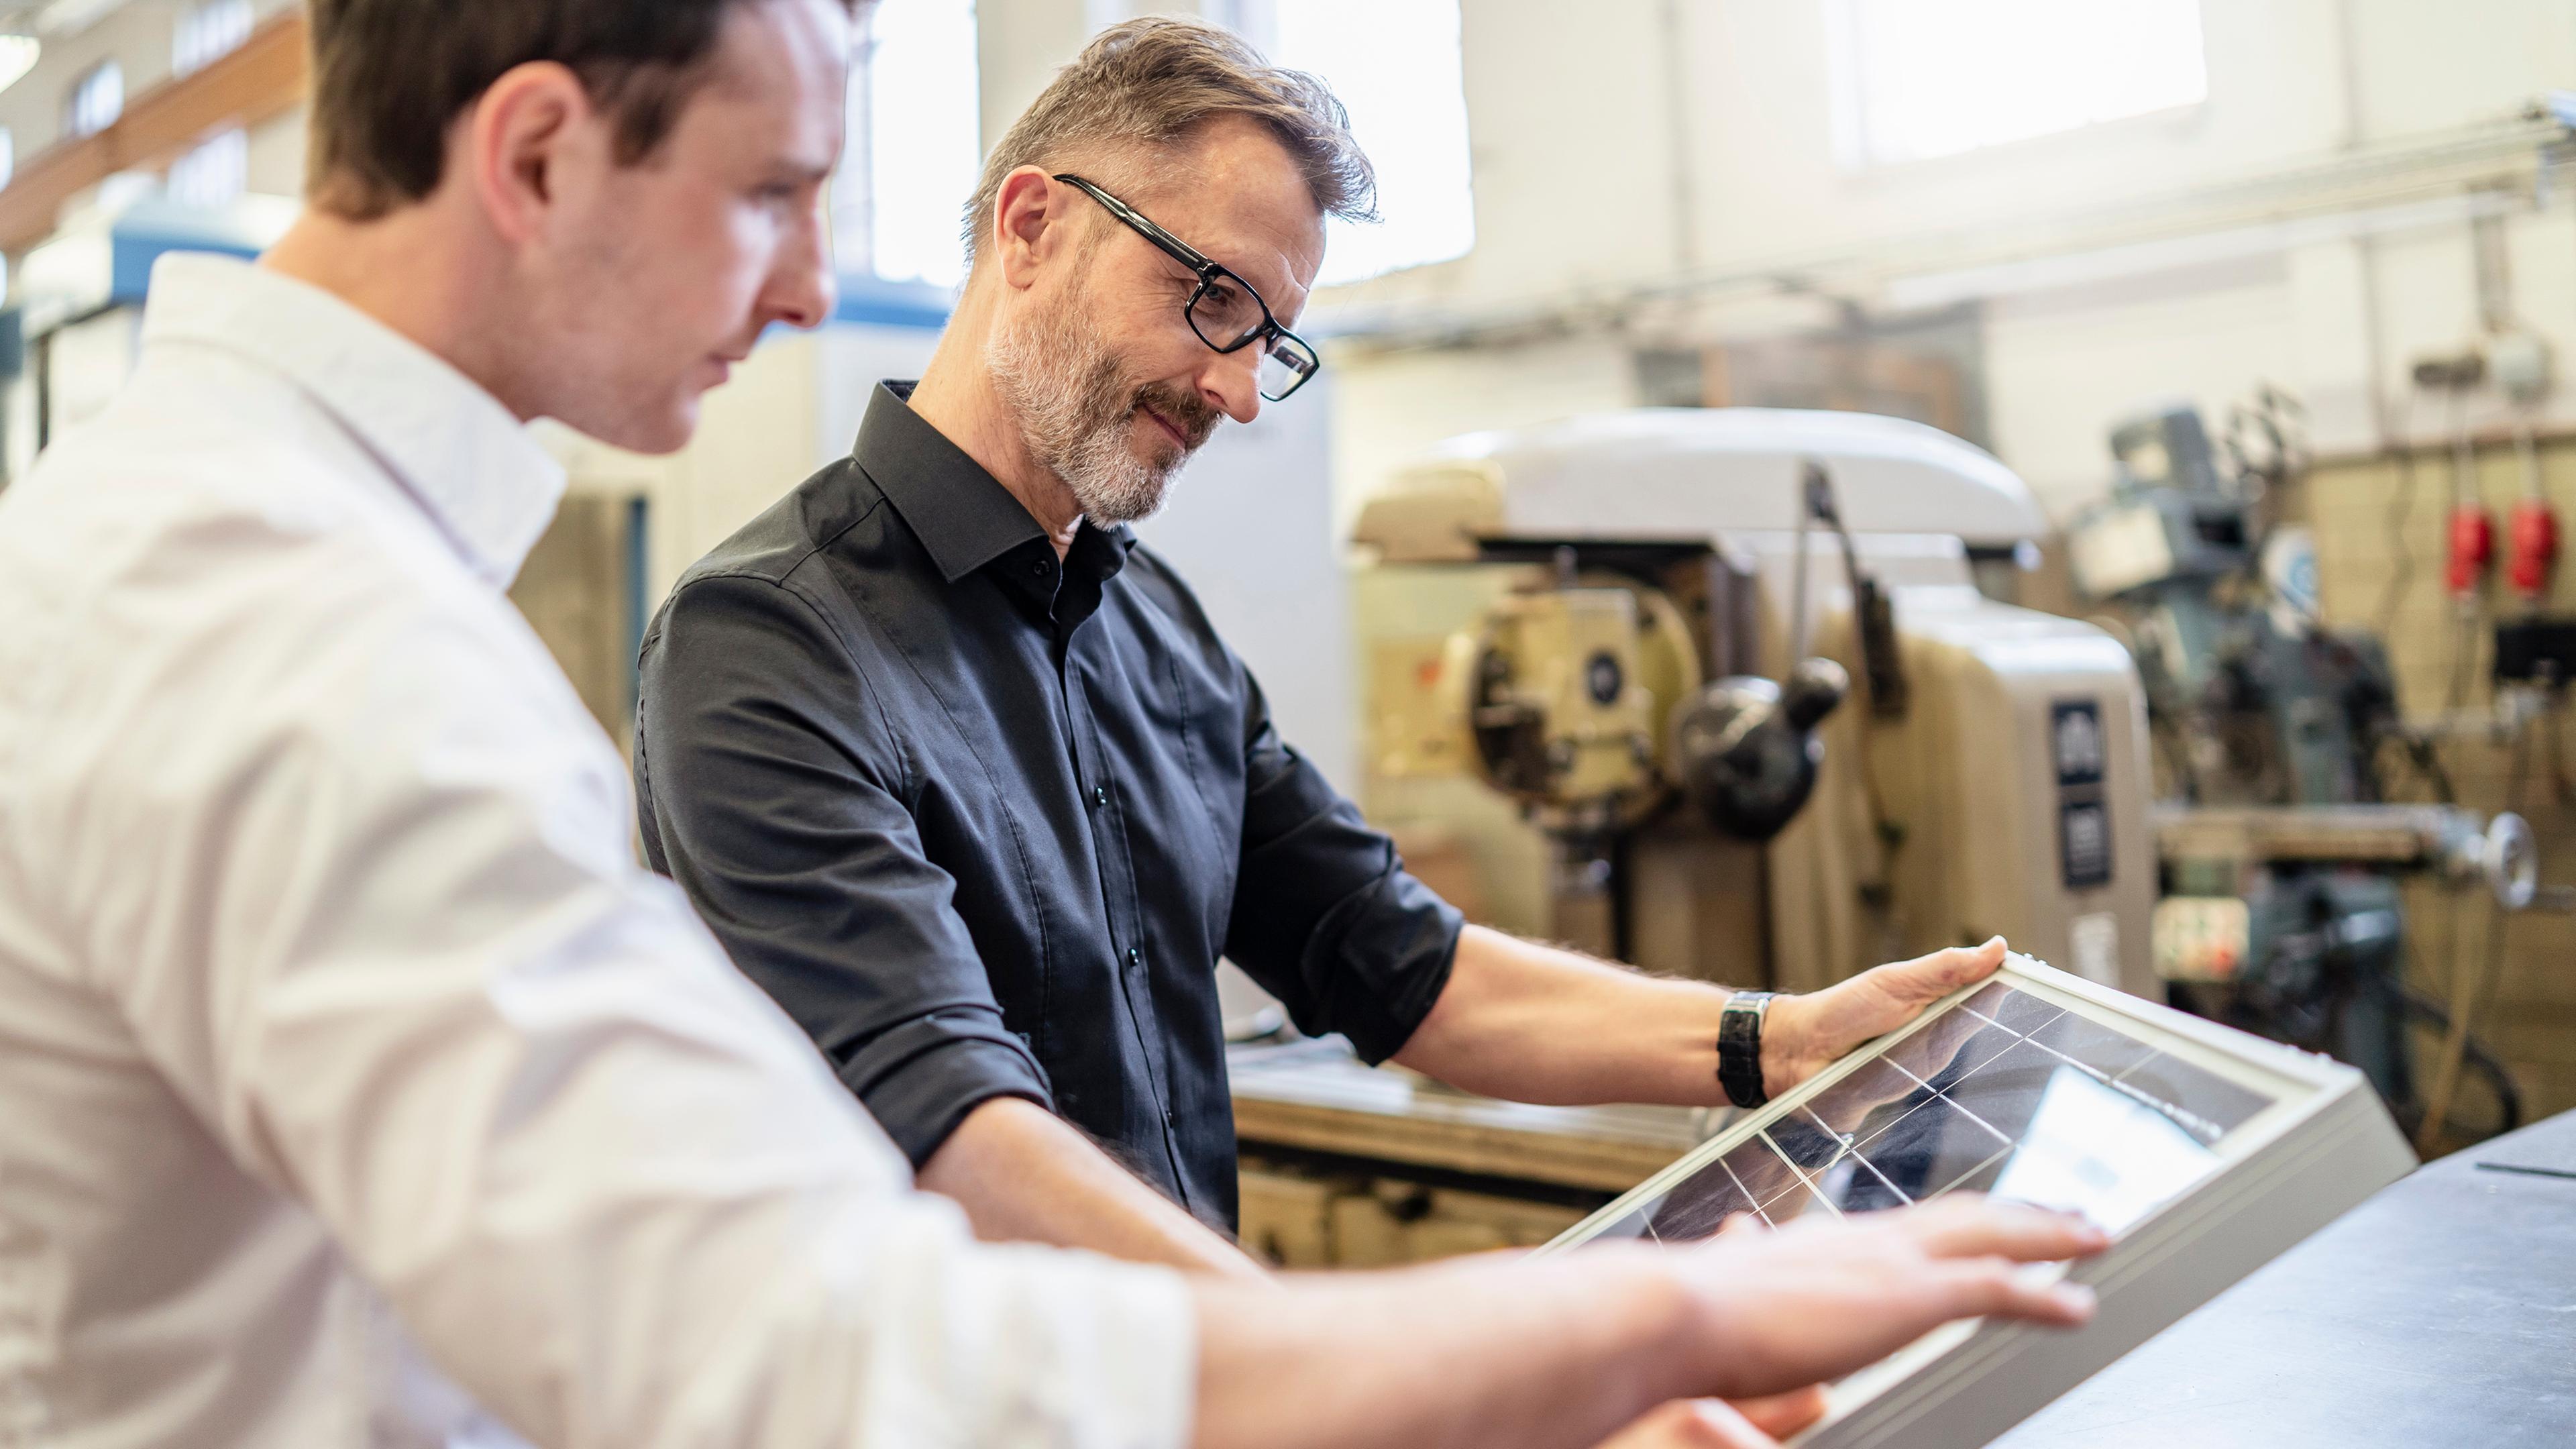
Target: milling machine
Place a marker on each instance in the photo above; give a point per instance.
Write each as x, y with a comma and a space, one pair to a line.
1610, 657
2283, 909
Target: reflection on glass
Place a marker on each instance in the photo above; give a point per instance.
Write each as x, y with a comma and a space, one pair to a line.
2010, 1095
2004, 1092
1932, 1147
2087, 1044
1759, 1171
1865, 1102
2206, 1103
1700, 1205
1855, 1185
1951, 1047
1632, 1225
2093, 1150
2019, 1010
1805, 1142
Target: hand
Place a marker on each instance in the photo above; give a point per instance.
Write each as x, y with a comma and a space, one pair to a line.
1784, 1310
1717, 1424
1802, 1035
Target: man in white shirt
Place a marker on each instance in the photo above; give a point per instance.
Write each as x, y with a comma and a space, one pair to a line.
356, 1084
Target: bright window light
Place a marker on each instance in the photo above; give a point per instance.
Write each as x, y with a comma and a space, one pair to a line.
915, 143
1397, 65
95, 101
18, 54
1926, 78
215, 174
207, 32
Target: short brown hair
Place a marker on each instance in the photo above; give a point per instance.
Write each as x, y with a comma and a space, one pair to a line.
391, 76
1153, 81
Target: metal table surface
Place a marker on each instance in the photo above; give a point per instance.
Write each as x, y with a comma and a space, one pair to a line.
2441, 1312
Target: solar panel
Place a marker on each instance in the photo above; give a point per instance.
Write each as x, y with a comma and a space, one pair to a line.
2040, 1087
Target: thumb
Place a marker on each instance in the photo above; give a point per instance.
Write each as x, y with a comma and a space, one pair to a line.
1962, 964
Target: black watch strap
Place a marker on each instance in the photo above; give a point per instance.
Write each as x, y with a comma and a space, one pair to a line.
1739, 1047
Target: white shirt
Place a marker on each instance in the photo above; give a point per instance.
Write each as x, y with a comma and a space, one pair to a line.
340, 1032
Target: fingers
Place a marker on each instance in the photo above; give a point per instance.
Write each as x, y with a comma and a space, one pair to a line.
1782, 1415
1999, 1288
1929, 978
1692, 1424
1717, 1425
1960, 965
1743, 1225
1969, 1226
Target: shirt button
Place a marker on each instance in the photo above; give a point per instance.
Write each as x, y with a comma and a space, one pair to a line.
1037, 568
1167, 1116
1099, 794
1135, 959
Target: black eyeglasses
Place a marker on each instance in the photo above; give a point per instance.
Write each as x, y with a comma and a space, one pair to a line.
1225, 311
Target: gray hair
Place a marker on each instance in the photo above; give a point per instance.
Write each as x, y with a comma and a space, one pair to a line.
1150, 83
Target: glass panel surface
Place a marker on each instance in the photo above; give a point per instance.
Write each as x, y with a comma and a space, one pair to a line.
1950, 1048
2092, 1046
1700, 1205
2206, 1103
1862, 1104
2008, 1094
2094, 1150
2019, 1010
1931, 1148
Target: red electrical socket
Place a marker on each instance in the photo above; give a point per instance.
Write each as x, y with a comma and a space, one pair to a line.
2472, 547
2531, 545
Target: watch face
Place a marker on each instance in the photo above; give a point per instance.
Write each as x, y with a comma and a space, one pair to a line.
2042, 1088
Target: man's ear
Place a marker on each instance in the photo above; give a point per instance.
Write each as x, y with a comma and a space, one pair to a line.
524, 141
1029, 224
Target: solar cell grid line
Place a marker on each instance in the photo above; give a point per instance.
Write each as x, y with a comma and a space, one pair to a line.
2019, 1011
1912, 1125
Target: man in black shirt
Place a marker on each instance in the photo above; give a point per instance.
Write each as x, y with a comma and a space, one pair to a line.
962, 775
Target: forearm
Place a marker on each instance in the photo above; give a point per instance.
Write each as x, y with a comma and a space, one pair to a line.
1537, 1024
1497, 1355
1023, 1175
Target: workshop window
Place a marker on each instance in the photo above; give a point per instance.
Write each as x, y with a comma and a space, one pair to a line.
207, 32
915, 144
8, 156
215, 174
1398, 66
1916, 79
95, 100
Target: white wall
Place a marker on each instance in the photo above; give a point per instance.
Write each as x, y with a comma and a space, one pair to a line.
1577, 196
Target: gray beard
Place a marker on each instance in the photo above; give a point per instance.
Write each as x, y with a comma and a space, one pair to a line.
1076, 414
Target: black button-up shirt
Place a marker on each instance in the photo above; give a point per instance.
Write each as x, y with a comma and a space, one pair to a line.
982, 821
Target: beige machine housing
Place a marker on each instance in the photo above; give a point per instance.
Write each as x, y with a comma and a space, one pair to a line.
2008, 794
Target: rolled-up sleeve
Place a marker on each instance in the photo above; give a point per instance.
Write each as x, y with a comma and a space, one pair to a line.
1326, 917
774, 794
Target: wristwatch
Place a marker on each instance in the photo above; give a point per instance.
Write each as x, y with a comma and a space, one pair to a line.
1739, 1047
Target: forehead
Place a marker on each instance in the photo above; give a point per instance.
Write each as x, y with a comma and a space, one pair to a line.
780, 74
1234, 192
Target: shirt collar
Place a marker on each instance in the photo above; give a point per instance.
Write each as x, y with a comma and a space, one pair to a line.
961, 513
462, 456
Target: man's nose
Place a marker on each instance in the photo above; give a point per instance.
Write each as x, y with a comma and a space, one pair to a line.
802, 291
1232, 382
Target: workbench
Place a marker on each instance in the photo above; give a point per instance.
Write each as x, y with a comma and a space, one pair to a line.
1346, 1165
1314, 1096
2440, 1313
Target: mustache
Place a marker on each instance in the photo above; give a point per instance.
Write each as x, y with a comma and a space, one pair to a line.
1192, 414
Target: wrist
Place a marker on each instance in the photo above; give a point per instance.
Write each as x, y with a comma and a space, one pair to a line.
1664, 1331
1783, 1045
